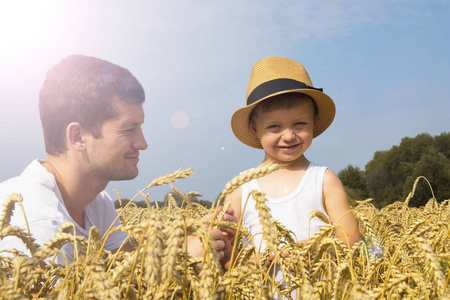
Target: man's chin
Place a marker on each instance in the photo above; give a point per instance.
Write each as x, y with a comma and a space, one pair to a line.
125, 176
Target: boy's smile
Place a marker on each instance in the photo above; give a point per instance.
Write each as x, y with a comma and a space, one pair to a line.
288, 148
285, 134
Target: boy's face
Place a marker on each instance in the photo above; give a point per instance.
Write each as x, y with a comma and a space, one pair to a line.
285, 134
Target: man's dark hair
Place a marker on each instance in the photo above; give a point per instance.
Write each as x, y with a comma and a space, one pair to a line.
85, 90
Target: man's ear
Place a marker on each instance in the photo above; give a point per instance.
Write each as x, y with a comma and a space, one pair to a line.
252, 128
75, 136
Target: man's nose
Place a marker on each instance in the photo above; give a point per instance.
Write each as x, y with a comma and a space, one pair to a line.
141, 143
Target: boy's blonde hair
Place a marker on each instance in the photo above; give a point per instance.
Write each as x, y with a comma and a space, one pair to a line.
283, 101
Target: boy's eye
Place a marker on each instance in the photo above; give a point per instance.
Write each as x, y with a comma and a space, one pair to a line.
272, 126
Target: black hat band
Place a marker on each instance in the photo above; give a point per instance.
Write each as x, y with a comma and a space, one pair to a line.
277, 85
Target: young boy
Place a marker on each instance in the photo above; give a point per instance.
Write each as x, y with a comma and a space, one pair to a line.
284, 112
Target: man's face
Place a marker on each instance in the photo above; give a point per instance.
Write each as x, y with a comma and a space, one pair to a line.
115, 155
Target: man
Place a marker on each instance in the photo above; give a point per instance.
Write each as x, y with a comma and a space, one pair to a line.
91, 113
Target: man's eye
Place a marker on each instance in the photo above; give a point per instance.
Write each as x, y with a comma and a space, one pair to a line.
133, 129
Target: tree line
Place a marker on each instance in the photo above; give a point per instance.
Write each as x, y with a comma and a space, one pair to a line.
180, 202
391, 174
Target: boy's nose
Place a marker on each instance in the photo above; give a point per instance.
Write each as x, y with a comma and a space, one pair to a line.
288, 135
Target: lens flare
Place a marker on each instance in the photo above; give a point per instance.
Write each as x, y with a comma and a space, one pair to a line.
180, 120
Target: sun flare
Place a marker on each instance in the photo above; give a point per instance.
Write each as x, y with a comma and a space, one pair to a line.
24, 26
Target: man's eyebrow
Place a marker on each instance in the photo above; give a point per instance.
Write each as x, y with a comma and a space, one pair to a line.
135, 123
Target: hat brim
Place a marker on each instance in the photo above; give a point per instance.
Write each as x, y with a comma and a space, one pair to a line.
326, 111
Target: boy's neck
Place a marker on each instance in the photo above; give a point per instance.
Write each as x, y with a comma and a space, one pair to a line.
285, 180
298, 164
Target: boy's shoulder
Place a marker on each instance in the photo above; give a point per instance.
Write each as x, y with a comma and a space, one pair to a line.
317, 166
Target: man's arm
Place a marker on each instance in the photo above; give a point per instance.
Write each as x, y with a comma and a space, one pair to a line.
127, 247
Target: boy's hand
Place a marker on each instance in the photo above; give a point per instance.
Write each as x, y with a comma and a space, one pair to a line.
255, 257
223, 237
220, 243
269, 262
228, 216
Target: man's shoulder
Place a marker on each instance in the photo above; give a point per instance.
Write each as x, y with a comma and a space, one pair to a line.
31, 182
100, 201
14, 185
10, 187
104, 196
102, 210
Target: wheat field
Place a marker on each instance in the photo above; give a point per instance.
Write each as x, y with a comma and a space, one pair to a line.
404, 254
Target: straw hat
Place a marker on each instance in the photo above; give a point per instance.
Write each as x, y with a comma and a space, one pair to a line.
273, 76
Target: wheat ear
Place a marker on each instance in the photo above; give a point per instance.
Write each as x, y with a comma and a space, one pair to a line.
161, 180
240, 179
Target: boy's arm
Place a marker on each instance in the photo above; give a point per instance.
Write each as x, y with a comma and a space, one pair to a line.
336, 205
235, 198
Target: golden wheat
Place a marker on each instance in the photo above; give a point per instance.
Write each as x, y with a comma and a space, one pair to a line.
404, 254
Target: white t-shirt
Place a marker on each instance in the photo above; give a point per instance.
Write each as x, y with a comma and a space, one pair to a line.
45, 211
292, 211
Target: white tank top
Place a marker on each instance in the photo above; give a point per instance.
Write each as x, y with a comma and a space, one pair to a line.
292, 210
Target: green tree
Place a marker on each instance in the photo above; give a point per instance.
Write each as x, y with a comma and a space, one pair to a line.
354, 181
391, 173
124, 202
378, 177
442, 143
121, 203
435, 167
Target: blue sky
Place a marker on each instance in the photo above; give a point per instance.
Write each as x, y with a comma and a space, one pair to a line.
384, 63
